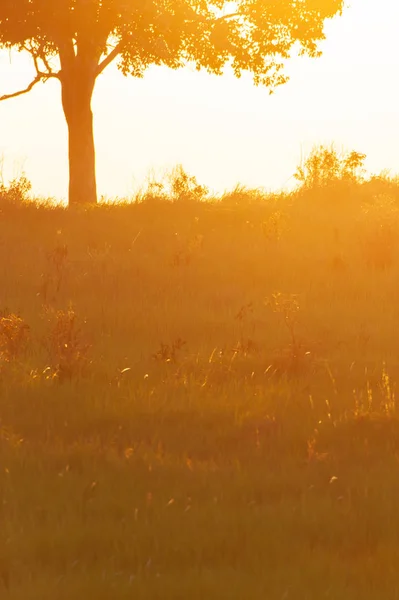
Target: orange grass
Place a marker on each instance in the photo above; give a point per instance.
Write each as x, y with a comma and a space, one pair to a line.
198, 398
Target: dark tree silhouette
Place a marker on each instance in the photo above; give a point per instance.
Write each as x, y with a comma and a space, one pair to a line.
75, 40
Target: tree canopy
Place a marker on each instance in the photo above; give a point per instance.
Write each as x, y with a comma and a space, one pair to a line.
75, 40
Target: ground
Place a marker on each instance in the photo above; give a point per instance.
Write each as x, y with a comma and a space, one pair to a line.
197, 399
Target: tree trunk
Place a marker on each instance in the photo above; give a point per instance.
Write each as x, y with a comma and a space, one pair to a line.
77, 92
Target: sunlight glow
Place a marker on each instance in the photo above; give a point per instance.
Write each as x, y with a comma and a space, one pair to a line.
222, 130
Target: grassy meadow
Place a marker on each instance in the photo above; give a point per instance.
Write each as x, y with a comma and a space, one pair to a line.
198, 396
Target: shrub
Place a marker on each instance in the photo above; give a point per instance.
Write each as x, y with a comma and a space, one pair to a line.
14, 336
176, 186
67, 350
324, 167
16, 192
185, 187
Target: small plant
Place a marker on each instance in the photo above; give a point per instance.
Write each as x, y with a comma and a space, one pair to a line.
16, 192
14, 337
53, 277
245, 344
388, 402
67, 350
155, 192
291, 359
184, 187
169, 353
57, 259
176, 186
324, 167
286, 305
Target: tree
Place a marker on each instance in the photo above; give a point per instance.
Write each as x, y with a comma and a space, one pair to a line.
75, 40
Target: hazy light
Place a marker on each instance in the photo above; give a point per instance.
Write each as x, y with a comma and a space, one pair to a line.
222, 130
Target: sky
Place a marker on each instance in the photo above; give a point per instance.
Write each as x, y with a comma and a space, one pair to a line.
222, 130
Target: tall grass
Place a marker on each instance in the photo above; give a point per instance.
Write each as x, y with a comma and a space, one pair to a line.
198, 396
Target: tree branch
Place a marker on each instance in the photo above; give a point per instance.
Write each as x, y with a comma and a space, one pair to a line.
38, 54
110, 57
39, 77
230, 16
46, 63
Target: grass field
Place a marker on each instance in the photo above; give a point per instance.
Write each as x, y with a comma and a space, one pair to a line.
198, 399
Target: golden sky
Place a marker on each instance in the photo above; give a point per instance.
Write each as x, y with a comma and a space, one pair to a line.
221, 129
